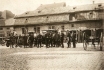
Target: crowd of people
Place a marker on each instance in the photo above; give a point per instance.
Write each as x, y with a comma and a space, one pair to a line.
49, 40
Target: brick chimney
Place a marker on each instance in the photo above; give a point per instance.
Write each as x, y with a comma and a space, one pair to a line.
93, 2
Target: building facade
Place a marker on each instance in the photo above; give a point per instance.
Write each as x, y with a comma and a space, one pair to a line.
60, 17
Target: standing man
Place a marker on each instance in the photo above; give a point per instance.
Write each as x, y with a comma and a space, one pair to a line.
69, 40
16, 40
93, 37
57, 37
74, 40
47, 39
39, 38
20, 41
50, 39
53, 39
35, 39
25, 38
31, 40
12, 40
62, 39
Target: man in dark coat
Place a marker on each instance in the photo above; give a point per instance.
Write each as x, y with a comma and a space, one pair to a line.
16, 40
74, 40
62, 39
57, 37
39, 38
69, 40
12, 41
35, 41
31, 40
20, 41
53, 39
50, 39
47, 39
25, 38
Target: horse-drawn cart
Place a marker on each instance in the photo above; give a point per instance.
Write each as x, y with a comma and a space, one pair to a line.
93, 38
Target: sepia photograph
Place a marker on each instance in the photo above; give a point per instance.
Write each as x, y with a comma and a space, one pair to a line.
51, 34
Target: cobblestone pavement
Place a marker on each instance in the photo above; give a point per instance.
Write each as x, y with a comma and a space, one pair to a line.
51, 59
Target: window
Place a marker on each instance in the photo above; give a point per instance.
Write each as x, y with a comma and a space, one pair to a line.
39, 11
74, 8
91, 15
53, 27
34, 29
27, 13
2, 35
71, 16
99, 5
38, 29
62, 27
8, 28
72, 25
1, 28
23, 30
26, 20
49, 27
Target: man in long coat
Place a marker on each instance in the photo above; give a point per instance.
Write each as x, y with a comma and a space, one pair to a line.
74, 40
39, 38
25, 38
62, 39
69, 40
47, 39
31, 40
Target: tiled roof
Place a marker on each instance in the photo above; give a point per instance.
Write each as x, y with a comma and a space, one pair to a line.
61, 9
47, 11
54, 5
88, 7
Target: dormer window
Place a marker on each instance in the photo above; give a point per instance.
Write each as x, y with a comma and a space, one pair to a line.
99, 5
26, 12
74, 7
39, 11
26, 20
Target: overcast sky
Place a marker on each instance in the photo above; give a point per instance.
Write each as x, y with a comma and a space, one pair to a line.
21, 6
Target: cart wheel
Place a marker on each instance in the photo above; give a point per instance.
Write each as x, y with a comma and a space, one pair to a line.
85, 45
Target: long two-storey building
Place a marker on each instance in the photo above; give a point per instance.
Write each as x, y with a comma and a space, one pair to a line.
55, 16
61, 17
